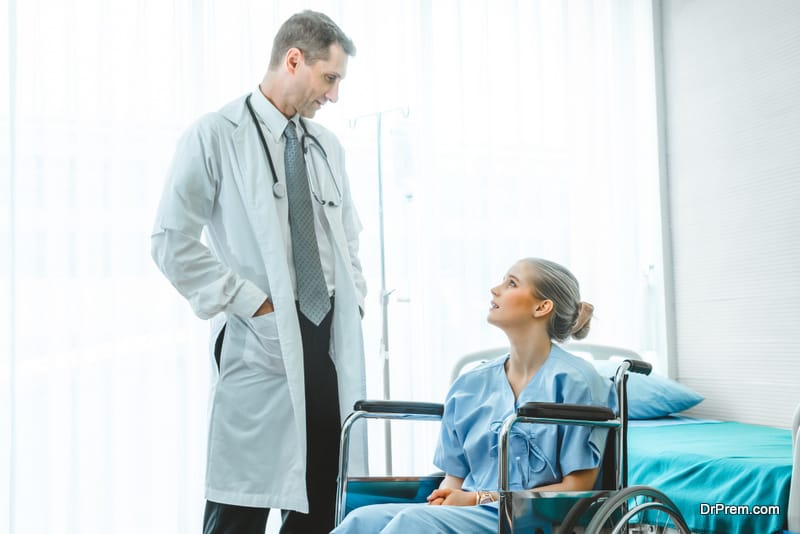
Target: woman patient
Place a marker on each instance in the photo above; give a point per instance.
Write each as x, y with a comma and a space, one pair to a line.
538, 302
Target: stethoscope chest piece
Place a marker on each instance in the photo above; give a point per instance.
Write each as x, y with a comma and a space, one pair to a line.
278, 188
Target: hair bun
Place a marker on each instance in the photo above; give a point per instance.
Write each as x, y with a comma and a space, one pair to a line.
582, 324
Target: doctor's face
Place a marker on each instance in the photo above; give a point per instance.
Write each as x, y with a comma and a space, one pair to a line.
318, 83
513, 301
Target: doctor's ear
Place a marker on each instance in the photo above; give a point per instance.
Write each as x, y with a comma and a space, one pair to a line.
294, 56
543, 308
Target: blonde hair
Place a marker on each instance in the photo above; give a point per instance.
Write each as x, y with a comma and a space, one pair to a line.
571, 317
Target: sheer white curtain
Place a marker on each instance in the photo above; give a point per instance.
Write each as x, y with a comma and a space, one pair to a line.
530, 131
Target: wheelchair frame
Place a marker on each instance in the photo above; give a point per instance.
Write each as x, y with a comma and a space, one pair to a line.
593, 512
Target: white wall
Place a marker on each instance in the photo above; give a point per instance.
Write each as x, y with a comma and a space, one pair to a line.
731, 118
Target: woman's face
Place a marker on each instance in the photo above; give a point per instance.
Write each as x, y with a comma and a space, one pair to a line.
513, 301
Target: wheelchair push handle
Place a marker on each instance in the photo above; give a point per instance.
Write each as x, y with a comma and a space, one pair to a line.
639, 367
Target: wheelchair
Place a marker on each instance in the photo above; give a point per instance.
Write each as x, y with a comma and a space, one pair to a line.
614, 508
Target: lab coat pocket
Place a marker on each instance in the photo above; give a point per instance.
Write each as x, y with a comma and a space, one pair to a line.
267, 349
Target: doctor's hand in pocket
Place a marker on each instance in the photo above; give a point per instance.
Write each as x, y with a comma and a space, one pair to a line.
265, 308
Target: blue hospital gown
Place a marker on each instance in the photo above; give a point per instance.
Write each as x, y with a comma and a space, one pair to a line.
474, 410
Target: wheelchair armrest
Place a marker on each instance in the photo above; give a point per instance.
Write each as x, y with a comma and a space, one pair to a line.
399, 407
548, 413
551, 410
376, 409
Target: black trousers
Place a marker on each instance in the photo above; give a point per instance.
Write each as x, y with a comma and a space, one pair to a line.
322, 446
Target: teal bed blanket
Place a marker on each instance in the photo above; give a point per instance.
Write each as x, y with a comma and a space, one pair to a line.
724, 477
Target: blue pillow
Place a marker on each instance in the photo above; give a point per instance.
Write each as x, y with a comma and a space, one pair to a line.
651, 396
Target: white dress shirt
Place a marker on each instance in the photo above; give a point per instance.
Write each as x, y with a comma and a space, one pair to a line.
273, 123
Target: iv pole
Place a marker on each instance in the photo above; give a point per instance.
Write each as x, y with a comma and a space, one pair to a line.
384, 295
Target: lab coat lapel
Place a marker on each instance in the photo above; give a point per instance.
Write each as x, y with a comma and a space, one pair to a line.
254, 179
254, 183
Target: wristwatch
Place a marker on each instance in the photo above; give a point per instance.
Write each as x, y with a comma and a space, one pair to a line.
485, 497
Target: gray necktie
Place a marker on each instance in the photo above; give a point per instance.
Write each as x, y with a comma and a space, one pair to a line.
312, 291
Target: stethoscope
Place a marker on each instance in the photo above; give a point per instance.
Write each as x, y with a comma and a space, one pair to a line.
278, 188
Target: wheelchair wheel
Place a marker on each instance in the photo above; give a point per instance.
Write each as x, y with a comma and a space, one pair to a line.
583, 508
639, 510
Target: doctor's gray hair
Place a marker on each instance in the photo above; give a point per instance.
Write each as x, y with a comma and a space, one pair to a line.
313, 33
570, 317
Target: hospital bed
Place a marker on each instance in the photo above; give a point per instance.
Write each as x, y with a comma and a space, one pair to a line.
705, 467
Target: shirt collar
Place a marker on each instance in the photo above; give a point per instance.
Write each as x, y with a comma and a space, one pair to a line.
269, 115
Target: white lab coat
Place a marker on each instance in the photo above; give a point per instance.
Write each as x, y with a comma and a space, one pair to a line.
219, 180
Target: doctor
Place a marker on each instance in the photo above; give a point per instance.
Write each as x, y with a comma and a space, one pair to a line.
280, 280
